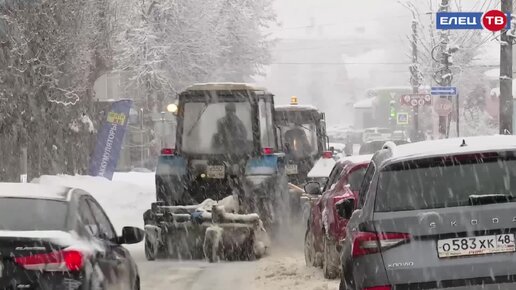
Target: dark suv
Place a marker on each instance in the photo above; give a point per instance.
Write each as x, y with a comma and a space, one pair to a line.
433, 215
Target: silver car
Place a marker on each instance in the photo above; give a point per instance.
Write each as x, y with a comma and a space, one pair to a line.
434, 215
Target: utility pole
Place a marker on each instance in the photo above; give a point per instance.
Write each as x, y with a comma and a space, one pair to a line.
444, 76
506, 99
415, 79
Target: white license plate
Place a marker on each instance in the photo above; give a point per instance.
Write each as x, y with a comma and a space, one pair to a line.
291, 169
216, 171
473, 246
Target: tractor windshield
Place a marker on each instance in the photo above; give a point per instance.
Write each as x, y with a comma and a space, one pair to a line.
217, 128
300, 139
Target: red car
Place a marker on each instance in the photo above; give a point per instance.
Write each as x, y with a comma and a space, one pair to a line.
325, 228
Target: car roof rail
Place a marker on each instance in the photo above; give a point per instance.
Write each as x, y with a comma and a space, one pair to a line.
389, 145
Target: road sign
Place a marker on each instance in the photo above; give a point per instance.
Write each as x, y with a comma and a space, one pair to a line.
402, 119
444, 91
443, 107
416, 100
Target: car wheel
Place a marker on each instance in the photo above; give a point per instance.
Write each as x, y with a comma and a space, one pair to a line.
330, 265
137, 284
309, 248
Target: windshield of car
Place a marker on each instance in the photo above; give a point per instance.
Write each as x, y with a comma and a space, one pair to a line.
24, 214
209, 128
437, 184
300, 139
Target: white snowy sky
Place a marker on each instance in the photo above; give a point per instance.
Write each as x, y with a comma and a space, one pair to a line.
374, 31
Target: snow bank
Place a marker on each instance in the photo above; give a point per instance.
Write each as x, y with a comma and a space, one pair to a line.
124, 199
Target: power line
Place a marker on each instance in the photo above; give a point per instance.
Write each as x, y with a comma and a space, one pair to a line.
340, 23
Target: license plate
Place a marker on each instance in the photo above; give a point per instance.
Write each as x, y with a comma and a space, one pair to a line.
473, 246
216, 171
291, 169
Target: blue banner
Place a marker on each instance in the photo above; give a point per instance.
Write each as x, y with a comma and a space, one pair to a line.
110, 139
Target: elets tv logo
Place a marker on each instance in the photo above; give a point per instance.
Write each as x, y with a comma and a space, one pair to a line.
494, 20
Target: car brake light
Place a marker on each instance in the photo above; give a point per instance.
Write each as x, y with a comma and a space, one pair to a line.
365, 243
268, 151
167, 151
67, 260
387, 287
327, 155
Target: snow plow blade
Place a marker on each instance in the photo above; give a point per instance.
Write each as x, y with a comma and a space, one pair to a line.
187, 233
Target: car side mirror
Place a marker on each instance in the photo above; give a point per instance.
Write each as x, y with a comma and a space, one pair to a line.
131, 235
313, 188
345, 208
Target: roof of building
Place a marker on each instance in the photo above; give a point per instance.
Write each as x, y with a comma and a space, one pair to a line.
364, 104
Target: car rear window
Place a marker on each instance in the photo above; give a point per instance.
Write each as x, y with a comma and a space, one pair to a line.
439, 183
370, 148
356, 177
24, 214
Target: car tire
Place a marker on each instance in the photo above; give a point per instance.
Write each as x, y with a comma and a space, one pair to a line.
330, 265
137, 284
309, 248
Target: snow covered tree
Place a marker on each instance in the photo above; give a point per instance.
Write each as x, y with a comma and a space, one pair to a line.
48, 59
166, 45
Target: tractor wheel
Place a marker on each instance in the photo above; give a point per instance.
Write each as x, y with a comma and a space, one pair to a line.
151, 250
212, 246
330, 261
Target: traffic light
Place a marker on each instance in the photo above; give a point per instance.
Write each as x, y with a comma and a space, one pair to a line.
393, 110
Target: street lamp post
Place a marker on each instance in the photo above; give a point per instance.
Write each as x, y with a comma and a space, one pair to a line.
142, 139
163, 130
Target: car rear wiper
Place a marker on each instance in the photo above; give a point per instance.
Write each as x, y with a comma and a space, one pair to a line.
476, 199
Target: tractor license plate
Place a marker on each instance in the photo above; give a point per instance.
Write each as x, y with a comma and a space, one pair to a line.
216, 171
291, 169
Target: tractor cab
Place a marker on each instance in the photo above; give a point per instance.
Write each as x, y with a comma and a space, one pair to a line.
220, 128
303, 136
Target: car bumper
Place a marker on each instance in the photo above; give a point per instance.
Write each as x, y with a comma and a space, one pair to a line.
41, 281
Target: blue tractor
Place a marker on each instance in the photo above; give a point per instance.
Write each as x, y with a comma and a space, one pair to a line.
226, 148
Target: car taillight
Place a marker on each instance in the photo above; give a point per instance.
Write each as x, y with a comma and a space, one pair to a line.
167, 151
365, 243
327, 155
387, 287
268, 151
67, 260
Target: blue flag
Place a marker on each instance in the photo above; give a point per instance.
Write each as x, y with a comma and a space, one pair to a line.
110, 139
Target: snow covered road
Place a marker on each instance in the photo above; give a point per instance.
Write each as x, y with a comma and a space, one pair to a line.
130, 194
282, 270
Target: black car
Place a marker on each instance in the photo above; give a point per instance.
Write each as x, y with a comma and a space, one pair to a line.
56, 238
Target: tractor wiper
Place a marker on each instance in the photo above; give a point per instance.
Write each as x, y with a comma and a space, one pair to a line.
197, 120
302, 126
490, 199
